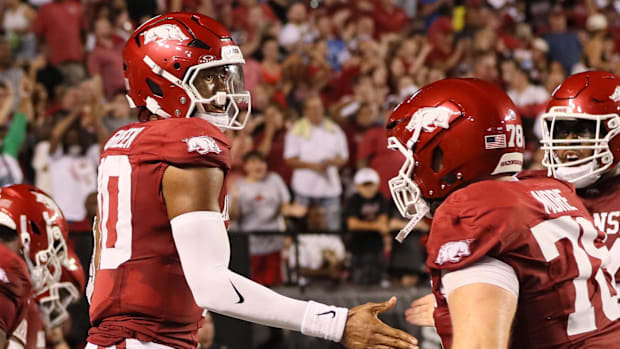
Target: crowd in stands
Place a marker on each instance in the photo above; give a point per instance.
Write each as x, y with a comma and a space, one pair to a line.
323, 74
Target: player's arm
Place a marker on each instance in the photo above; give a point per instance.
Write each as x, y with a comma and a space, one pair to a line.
421, 311
200, 236
482, 300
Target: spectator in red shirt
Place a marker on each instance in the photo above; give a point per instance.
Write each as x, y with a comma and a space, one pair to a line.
372, 152
106, 59
271, 67
444, 55
61, 24
388, 17
270, 141
241, 13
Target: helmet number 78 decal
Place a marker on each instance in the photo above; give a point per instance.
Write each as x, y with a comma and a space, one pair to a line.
516, 135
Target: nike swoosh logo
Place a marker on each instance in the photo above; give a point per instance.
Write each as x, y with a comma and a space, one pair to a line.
327, 313
241, 299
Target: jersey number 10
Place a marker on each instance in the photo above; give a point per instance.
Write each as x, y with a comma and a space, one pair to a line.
114, 200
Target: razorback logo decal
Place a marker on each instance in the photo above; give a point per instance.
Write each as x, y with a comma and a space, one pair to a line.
428, 119
164, 32
202, 145
453, 251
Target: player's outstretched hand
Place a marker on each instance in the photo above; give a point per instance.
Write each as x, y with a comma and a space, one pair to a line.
421, 311
365, 330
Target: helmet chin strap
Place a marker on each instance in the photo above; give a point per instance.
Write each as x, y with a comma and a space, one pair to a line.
581, 176
421, 210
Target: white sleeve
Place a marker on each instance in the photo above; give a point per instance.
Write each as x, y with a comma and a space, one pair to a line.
343, 147
291, 146
486, 271
204, 257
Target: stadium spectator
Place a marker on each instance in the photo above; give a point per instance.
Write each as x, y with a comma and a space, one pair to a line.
61, 24
367, 221
17, 25
388, 17
406, 265
74, 155
445, 54
9, 73
316, 147
106, 58
12, 132
269, 141
297, 27
373, 152
529, 99
117, 113
271, 68
259, 202
321, 256
564, 45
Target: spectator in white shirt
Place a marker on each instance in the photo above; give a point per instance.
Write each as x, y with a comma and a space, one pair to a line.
297, 27
315, 147
260, 200
529, 99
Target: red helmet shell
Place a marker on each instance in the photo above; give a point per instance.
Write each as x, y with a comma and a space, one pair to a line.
41, 227
469, 129
173, 42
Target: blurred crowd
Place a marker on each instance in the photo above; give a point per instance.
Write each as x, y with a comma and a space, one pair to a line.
323, 74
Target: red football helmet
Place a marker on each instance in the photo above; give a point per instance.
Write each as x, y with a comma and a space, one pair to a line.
186, 64
452, 132
41, 229
585, 107
54, 303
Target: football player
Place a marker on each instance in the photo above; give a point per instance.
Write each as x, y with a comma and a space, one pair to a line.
162, 248
32, 251
498, 241
581, 140
586, 107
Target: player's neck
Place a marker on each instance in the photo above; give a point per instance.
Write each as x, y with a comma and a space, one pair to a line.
505, 178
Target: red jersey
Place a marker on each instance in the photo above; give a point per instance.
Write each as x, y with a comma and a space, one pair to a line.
139, 289
15, 291
539, 227
603, 202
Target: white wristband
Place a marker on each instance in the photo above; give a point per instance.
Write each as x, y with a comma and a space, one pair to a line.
324, 321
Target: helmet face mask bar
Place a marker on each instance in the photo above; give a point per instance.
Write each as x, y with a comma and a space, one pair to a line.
405, 193
53, 306
585, 170
45, 269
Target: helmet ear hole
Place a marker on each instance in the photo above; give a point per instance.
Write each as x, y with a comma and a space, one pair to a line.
35, 228
437, 160
449, 178
154, 87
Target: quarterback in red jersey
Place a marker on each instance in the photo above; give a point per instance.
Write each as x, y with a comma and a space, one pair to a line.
162, 250
32, 251
498, 241
581, 139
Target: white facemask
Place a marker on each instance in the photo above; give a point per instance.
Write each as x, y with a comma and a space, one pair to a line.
581, 176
